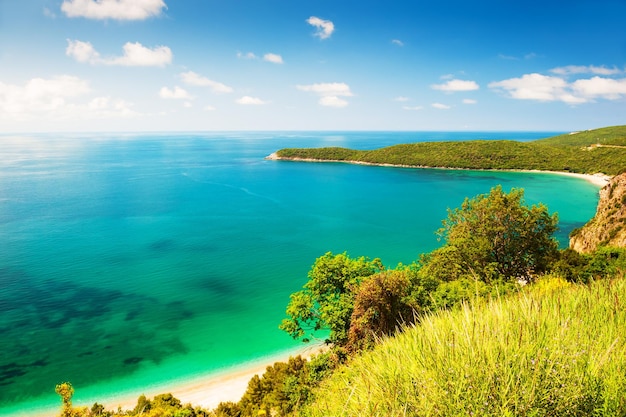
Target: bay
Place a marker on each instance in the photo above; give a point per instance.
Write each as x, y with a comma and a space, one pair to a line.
135, 260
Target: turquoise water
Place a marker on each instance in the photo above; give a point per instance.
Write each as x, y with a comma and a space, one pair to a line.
133, 260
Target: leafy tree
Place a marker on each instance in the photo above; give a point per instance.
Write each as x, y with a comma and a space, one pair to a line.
66, 391
327, 300
283, 388
494, 236
384, 302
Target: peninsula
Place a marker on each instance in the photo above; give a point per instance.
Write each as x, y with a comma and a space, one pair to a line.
599, 152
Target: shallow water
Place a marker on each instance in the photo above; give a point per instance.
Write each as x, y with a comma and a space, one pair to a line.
133, 260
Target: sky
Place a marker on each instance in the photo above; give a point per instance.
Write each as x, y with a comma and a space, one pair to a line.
213, 65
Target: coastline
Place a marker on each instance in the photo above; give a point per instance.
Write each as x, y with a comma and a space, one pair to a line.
599, 179
205, 391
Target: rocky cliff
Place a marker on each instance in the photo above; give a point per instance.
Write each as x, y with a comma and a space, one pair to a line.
608, 227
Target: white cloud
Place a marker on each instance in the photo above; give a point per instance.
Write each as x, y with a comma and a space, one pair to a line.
329, 93
192, 78
537, 87
397, 42
440, 106
606, 88
274, 58
248, 55
247, 100
324, 28
414, 108
469, 101
581, 69
135, 55
327, 89
209, 108
176, 94
82, 51
401, 99
552, 88
456, 85
113, 9
57, 98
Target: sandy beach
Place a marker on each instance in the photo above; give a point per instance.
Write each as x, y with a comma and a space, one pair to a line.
205, 391
209, 390
598, 179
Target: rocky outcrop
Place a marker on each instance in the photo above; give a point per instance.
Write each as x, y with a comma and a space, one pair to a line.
608, 227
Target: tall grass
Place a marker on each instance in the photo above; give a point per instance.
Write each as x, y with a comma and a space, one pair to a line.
553, 350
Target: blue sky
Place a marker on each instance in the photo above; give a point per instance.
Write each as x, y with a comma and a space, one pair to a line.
146, 65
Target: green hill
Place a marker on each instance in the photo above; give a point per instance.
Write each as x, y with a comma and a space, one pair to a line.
556, 349
614, 135
595, 151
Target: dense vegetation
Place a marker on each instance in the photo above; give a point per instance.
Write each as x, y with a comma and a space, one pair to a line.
497, 321
554, 349
590, 152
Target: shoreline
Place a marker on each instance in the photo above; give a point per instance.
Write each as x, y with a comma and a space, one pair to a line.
204, 390
208, 390
599, 179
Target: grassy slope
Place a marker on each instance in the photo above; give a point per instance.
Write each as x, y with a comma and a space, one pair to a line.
554, 350
570, 153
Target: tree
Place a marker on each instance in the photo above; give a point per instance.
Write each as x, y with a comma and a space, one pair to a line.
327, 300
66, 391
494, 236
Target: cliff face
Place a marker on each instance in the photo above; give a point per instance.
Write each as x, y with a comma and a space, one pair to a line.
608, 227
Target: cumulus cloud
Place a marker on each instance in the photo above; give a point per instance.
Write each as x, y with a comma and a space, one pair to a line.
401, 99
176, 94
135, 55
556, 88
582, 69
273, 58
192, 78
414, 108
57, 98
533, 87
324, 28
247, 100
456, 85
113, 9
469, 101
82, 51
329, 93
209, 108
440, 106
598, 87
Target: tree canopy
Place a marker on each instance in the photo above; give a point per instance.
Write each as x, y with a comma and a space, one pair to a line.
327, 300
494, 236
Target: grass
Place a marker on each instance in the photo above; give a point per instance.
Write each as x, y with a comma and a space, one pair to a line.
569, 153
556, 349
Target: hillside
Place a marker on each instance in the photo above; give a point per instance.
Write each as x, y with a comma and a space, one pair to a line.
553, 350
608, 227
578, 153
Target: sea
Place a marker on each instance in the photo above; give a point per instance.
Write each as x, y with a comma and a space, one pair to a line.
141, 260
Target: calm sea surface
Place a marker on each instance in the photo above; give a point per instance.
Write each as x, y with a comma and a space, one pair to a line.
128, 261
